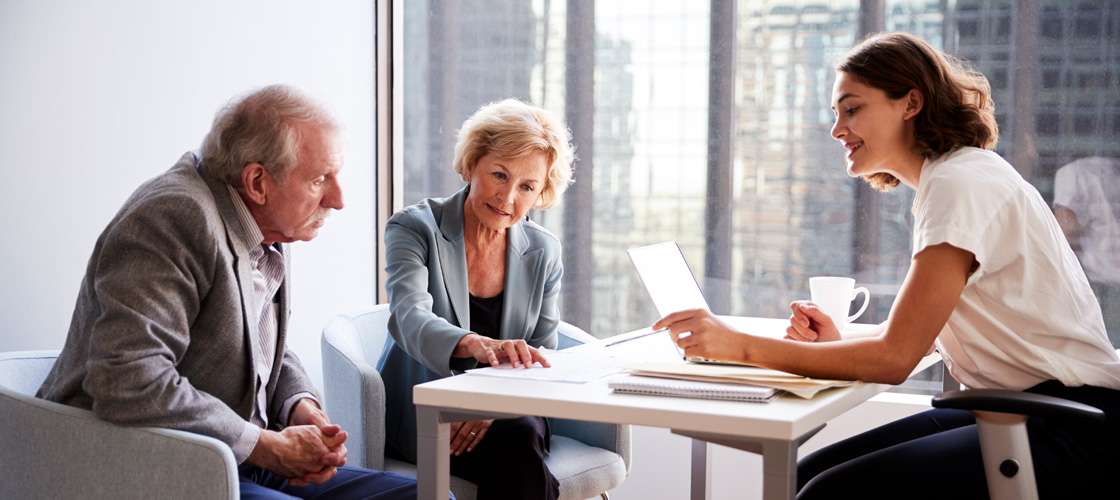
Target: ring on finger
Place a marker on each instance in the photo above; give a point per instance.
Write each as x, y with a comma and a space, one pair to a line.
500, 349
473, 433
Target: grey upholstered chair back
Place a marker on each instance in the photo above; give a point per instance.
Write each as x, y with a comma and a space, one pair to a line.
98, 459
571, 335
353, 390
25, 371
588, 457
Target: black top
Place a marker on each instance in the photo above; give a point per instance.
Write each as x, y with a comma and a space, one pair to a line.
486, 315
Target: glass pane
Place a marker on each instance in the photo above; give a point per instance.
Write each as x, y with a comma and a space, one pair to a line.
757, 221
1058, 109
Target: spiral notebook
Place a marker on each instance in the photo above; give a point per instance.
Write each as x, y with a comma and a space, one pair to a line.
650, 386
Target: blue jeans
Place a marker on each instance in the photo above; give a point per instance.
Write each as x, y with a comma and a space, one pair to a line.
351, 483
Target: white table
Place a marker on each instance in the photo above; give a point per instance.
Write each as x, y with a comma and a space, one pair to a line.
774, 430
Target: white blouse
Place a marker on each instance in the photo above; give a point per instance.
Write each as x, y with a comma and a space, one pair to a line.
1027, 314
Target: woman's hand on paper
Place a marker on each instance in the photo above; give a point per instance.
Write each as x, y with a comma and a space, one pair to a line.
809, 323
495, 351
466, 435
708, 337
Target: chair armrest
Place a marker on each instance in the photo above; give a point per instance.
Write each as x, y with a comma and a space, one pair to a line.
611, 437
354, 396
1016, 402
51, 450
569, 335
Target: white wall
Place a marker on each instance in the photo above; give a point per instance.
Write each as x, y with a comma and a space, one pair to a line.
96, 97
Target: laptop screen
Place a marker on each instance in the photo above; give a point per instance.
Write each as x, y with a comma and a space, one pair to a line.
667, 278
670, 284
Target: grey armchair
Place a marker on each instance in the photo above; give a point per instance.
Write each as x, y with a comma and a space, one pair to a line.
51, 450
588, 458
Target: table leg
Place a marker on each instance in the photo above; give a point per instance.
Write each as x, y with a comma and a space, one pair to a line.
779, 462
700, 488
779, 469
433, 463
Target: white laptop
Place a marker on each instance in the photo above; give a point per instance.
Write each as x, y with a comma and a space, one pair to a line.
670, 283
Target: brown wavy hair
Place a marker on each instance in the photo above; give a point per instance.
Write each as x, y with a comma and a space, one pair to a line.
958, 109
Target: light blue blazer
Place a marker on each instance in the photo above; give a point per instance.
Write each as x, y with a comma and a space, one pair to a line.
430, 303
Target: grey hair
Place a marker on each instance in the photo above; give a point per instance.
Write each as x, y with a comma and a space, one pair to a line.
266, 126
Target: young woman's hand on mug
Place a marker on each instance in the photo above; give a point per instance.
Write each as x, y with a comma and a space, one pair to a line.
809, 323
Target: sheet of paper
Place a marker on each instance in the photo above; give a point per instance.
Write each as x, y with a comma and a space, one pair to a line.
712, 370
576, 367
798, 385
799, 389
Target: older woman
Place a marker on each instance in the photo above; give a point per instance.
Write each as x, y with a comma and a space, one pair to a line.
992, 284
472, 280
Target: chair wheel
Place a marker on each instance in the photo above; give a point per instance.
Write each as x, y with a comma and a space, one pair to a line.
1009, 467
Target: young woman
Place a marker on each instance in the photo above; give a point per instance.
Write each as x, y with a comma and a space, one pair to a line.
993, 285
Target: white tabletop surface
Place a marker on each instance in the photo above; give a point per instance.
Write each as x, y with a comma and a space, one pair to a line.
785, 418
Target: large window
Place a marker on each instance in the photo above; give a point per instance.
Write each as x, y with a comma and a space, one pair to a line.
707, 123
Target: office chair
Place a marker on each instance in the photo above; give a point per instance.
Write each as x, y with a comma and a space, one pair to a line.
588, 458
40, 438
1001, 418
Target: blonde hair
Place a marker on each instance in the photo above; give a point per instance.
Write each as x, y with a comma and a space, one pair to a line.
512, 129
958, 109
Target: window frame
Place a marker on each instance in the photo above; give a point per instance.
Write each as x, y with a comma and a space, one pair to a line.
872, 15
389, 118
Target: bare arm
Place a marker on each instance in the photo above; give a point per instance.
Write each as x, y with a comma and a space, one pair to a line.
1067, 220
928, 296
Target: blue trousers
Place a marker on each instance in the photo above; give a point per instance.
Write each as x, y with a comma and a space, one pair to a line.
351, 483
936, 454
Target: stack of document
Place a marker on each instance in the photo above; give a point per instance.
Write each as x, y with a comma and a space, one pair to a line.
797, 385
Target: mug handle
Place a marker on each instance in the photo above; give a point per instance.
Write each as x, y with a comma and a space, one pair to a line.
866, 301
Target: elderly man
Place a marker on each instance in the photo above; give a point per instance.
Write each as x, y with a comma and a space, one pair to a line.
182, 314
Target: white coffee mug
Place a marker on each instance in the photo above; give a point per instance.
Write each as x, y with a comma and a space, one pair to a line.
834, 295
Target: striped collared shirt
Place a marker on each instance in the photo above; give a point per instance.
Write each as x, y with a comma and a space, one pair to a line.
267, 265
